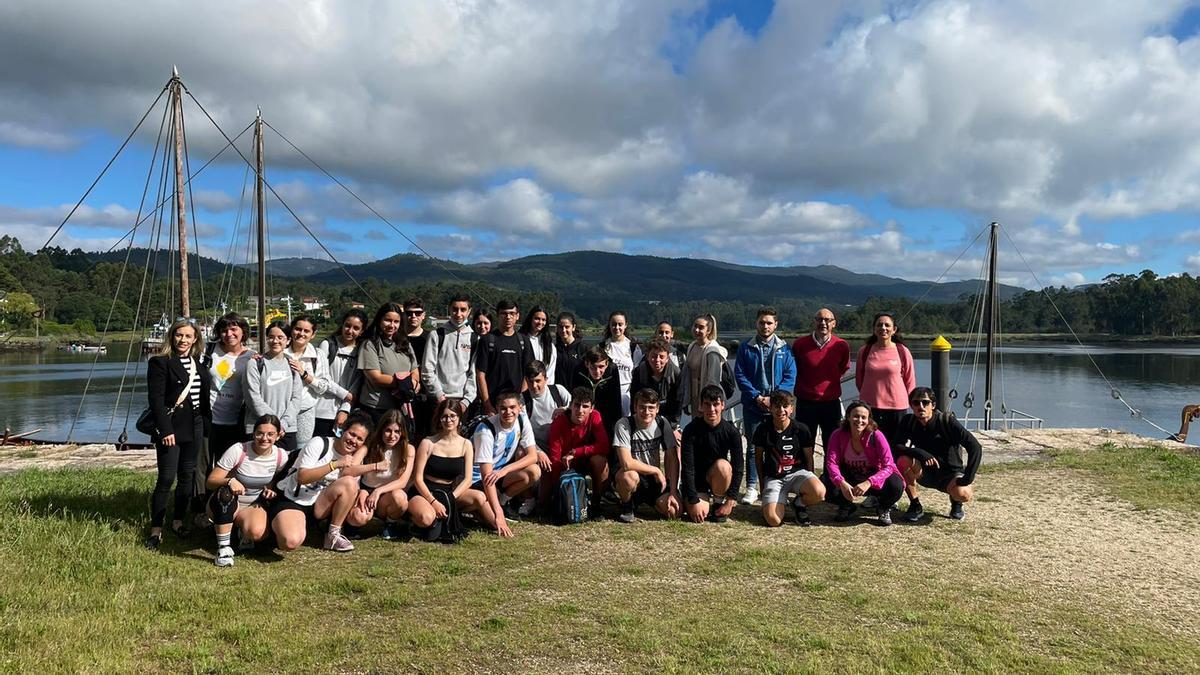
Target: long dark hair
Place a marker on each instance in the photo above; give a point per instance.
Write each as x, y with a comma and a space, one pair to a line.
574, 322
375, 442
399, 340
608, 330
335, 336
283, 326
547, 335
873, 339
871, 425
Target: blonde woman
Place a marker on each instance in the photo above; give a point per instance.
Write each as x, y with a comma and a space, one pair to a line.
703, 364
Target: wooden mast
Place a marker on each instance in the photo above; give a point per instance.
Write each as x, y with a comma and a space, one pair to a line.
176, 87
991, 313
262, 240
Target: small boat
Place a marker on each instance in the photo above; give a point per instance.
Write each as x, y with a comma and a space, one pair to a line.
154, 339
75, 348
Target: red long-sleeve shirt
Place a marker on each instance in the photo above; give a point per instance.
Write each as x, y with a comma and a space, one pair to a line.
583, 440
819, 370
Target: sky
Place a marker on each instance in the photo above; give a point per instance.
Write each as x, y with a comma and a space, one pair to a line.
878, 136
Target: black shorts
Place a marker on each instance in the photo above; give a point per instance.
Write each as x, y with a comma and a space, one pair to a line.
282, 504
648, 490
937, 478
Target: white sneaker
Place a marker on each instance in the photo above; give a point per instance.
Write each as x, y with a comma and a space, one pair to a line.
527, 507
224, 557
751, 496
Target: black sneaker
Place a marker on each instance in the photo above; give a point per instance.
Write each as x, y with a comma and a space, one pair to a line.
153, 541
956, 510
845, 512
595, 514
914, 513
512, 512
713, 517
626, 515
885, 516
800, 513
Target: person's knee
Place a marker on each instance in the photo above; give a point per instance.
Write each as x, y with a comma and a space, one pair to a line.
533, 473
423, 518
904, 463
721, 468
813, 492
771, 516
960, 493
290, 541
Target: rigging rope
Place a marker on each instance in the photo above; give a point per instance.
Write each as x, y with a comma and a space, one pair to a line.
942, 275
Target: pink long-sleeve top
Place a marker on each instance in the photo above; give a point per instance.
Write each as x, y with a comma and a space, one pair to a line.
884, 376
874, 463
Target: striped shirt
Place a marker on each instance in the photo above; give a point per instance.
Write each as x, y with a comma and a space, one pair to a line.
193, 397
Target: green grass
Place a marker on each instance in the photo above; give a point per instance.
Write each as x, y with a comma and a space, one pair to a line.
1148, 478
80, 593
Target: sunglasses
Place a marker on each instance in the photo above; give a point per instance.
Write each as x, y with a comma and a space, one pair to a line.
921, 403
414, 312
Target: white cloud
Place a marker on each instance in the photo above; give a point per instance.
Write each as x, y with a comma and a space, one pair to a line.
519, 206
13, 133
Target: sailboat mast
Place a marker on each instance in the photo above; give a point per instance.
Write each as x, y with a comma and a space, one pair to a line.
262, 239
176, 87
991, 313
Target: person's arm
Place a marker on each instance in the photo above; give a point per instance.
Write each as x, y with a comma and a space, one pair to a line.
843, 357
322, 383
371, 365
559, 431
758, 461
860, 369
600, 443
787, 382
400, 481
156, 386
429, 367
737, 458
292, 411
974, 453
423, 452
886, 466
253, 397
833, 456
741, 364
468, 458
906, 369
688, 461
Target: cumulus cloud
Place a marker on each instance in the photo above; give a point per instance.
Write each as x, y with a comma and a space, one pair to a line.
519, 206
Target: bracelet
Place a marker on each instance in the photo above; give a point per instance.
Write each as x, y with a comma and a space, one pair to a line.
332, 466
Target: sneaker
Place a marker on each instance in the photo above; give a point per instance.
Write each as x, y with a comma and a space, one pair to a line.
885, 516
751, 495
870, 502
713, 517
595, 514
627, 515
844, 513
153, 541
224, 557
527, 508
391, 531
338, 543
914, 513
610, 495
800, 513
956, 510
511, 513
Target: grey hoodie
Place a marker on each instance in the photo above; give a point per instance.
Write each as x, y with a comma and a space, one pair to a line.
447, 369
272, 388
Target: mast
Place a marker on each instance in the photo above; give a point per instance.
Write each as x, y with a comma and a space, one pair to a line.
176, 86
991, 314
262, 239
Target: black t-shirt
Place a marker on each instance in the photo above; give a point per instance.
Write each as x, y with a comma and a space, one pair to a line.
784, 449
703, 445
502, 360
418, 345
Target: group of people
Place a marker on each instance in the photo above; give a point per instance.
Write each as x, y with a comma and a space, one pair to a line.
481, 417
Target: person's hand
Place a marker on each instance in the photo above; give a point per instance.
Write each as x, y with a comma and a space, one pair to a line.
861, 488
268, 494
557, 413
847, 491
441, 398
416, 380
543, 461
726, 508
662, 480
349, 398
462, 407
698, 512
763, 402
236, 487
502, 528
372, 502
932, 461
168, 440
678, 437
492, 478
566, 460
340, 418
296, 366
673, 502
344, 461
360, 502
488, 409
439, 509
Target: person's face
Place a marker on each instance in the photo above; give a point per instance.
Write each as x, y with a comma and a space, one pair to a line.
885, 328
780, 413
352, 327
183, 339
665, 331
566, 330
302, 332
922, 407
645, 413
389, 324
509, 408
483, 325
449, 419
711, 410
265, 436
413, 318
766, 326
391, 435
657, 360
508, 319
353, 438
616, 326
580, 410
596, 370
459, 312
277, 340
538, 322
700, 330
859, 418
824, 323
537, 384
232, 336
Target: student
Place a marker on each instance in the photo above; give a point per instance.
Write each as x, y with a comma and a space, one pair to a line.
711, 460
418, 338
594, 374
623, 353
569, 348
784, 452
241, 486
177, 387
501, 358
647, 456
884, 375
381, 493
764, 365
505, 459
543, 403
678, 350
579, 442
444, 462
481, 322
822, 359
859, 463
322, 484
388, 364
447, 370
272, 387
703, 363
933, 455
311, 365
228, 362
341, 351
541, 340
659, 373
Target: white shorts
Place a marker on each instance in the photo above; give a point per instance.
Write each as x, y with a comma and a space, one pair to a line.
776, 490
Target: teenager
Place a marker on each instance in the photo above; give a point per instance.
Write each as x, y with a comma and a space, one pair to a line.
501, 357
448, 371
272, 386
711, 460
444, 462
391, 376
648, 457
784, 452
623, 353
822, 359
597, 377
311, 365
859, 463
764, 365
505, 459
177, 388
659, 373
228, 359
241, 487
932, 455
703, 364
666, 332
568, 347
543, 402
418, 338
884, 375
540, 337
579, 442
381, 492
341, 351
481, 322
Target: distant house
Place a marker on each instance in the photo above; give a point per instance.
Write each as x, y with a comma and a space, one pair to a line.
357, 305
312, 304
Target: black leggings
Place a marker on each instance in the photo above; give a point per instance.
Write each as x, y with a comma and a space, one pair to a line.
887, 495
889, 424
176, 464
826, 415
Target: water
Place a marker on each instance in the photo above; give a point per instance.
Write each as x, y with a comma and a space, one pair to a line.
1055, 382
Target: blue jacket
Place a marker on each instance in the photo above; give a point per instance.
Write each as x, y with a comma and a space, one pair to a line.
770, 364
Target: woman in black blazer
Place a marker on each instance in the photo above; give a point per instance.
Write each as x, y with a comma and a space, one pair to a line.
178, 388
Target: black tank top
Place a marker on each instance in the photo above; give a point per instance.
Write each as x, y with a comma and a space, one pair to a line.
444, 469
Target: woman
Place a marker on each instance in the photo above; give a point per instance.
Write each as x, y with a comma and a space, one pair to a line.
229, 360
540, 340
341, 350
858, 462
569, 348
323, 484
178, 391
703, 363
381, 493
884, 375
444, 463
312, 367
241, 488
481, 322
388, 364
623, 352
273, 387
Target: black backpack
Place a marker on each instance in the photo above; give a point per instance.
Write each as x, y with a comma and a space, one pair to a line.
448, 530
555, 393
728, 384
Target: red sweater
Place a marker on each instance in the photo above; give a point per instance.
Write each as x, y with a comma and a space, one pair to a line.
584, 440
819, 370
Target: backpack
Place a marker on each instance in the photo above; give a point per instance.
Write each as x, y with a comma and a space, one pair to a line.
468, 429
489, 343
571, 499
281, 458
448, 530
555, 393
728, 384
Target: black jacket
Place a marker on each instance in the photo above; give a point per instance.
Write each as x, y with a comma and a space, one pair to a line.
165, 379
667, 388
943, 439
606, 393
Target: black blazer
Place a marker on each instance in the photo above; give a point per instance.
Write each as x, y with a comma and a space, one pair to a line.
165, 379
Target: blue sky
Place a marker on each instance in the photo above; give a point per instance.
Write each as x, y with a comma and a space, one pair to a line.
877, 136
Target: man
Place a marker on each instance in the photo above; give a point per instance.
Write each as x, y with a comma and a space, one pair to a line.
418, 337
711, 460
784, 451
603, 383
647, 459
678, 350
446, 370
932, 455
822, 359
658, 373
579, 442
505, 458
501, 357
764, 366
544, 403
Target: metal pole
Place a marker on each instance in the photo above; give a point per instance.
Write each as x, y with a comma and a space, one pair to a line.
990, 316
939, 372
262, 240
185, 304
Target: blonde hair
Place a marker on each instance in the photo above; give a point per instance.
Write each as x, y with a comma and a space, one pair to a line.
168, 345
712, 325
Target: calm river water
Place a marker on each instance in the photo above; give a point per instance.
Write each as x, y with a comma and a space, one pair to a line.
1055, 382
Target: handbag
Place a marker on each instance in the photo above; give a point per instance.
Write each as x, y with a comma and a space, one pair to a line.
145, 421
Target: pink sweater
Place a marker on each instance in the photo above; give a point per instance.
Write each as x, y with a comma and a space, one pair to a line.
884, 376
875, 464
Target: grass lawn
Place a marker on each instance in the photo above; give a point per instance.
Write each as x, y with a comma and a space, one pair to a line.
1059, 567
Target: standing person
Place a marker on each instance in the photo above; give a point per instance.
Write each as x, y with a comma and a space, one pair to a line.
481, 322
341, 350
241, 486
860, 464
312, 367
382, 492
785, 459
597, 376
711, 460
659, 373
501, 358
884, 375
933, 455
568, 347
444, 462
647, 457
666, 332
578, 442
448, 369
822, 359
227, 363
273, 388
177, 389
505, 459
623, 353
544, 402
389, 367
703, 364
414, 328
764, 366
540, 336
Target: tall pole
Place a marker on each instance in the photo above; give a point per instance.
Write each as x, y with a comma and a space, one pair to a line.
185, 304
991, 314
262, 238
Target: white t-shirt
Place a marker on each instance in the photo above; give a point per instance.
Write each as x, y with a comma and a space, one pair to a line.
647, 444
498, 448
374, 479
623, 359
225, 395
541, 413
318, 452
254, 471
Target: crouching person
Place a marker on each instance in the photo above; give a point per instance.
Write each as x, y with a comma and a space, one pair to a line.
648, 457
932, 455
240, 484
784, 455
505, 460
579, 442
711, 459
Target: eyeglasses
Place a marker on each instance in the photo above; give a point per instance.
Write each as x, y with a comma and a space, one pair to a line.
921, 403
824, 319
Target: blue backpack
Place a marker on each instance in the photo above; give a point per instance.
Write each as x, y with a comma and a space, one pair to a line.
571, 502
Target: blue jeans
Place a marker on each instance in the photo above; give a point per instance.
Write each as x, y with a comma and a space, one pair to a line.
749, 424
